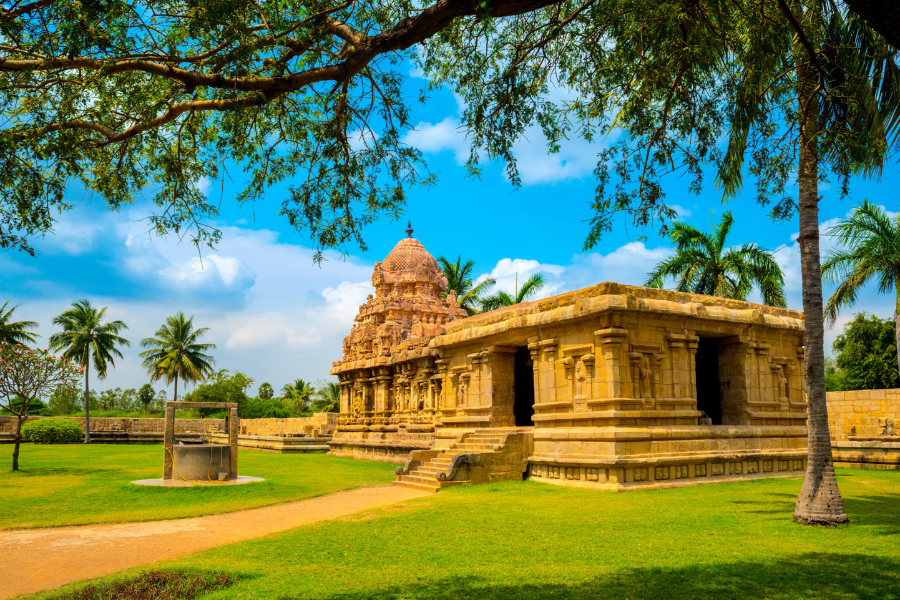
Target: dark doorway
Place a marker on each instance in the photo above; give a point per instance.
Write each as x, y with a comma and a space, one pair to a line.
709, 394
523, 406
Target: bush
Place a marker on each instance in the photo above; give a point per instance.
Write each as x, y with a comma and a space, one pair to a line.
153, 585
52, 431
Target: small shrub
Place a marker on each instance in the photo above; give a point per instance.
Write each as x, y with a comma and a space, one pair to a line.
153, 585
52, 431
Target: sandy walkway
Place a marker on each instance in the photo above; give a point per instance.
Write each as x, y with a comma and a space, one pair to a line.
40, 559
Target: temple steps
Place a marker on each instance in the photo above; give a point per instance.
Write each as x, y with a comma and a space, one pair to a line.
481, 457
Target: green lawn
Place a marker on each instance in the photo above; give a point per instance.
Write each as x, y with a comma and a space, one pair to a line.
532, 540
77, 484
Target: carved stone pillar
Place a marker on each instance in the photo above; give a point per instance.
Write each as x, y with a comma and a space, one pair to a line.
609, 367
549, 376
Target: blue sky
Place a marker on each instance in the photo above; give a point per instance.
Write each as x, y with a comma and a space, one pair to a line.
275, 316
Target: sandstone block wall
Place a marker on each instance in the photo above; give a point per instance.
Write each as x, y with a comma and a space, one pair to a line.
130, 425
864, 410
323, 423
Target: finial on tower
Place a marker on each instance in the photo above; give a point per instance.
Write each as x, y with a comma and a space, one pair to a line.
409, 229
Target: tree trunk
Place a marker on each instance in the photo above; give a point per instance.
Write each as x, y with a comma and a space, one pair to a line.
87, 404
897, 325
176, 387
18, 442
819, 502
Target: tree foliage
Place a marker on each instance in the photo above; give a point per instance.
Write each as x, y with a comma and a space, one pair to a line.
460, 280
532, 286
27, 374
176, 353
702, 264
866, 354
868, 249
223, 386
15, 332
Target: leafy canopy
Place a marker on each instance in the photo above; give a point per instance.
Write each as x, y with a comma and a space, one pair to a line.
15, 332
148, 98
866, 354
86, 339
175, 353
702, 264
868, 249
459, 279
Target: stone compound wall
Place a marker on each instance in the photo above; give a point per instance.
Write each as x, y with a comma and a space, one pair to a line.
864, 410
130, 425
322, 423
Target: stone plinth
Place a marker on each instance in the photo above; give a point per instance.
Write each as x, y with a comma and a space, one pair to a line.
201, 462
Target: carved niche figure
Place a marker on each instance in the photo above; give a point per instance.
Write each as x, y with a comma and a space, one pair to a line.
646, 378
356, 408
423, 395
461, 392
889, 427
782, 384
580, 377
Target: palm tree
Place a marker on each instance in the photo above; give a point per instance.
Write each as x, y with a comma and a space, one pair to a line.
175, 353
329, 398
14, 332
298, 389
532, 286
702, 265
869, 247
459, 279
85, 338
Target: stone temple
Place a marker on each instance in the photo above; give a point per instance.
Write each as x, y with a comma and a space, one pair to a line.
608, 387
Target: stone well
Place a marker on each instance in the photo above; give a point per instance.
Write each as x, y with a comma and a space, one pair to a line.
201, 462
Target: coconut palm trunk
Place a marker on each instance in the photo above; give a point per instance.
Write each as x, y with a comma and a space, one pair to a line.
87, 403
176, 387
897, 322
820, 499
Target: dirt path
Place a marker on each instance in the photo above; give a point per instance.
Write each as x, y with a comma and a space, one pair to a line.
40, 559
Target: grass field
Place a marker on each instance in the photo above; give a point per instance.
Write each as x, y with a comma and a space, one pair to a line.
531, 540
78, 484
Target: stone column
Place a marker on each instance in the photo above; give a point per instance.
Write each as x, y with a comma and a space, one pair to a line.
549, 381
609, 368
536, 369
234, 425
168, 442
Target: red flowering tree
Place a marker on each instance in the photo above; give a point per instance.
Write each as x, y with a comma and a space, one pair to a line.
27, 374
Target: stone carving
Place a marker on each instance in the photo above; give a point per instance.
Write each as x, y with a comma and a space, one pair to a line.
889, 427
407, 305
580, 377
782, 384
646, 378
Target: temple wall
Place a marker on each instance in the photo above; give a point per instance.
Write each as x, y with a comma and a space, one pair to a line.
632, 388
865, 411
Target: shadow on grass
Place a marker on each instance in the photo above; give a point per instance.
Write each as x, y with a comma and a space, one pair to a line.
817, 576
50, 471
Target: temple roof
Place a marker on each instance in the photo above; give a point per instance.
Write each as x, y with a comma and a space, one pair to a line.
407, 310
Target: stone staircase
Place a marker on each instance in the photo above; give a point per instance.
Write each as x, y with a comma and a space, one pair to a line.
483, 456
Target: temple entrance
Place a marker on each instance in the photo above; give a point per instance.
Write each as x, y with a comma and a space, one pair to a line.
709, 392
523, 405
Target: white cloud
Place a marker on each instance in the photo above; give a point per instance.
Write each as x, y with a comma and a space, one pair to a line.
434, 138
682, 211
576, 158
203, 185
